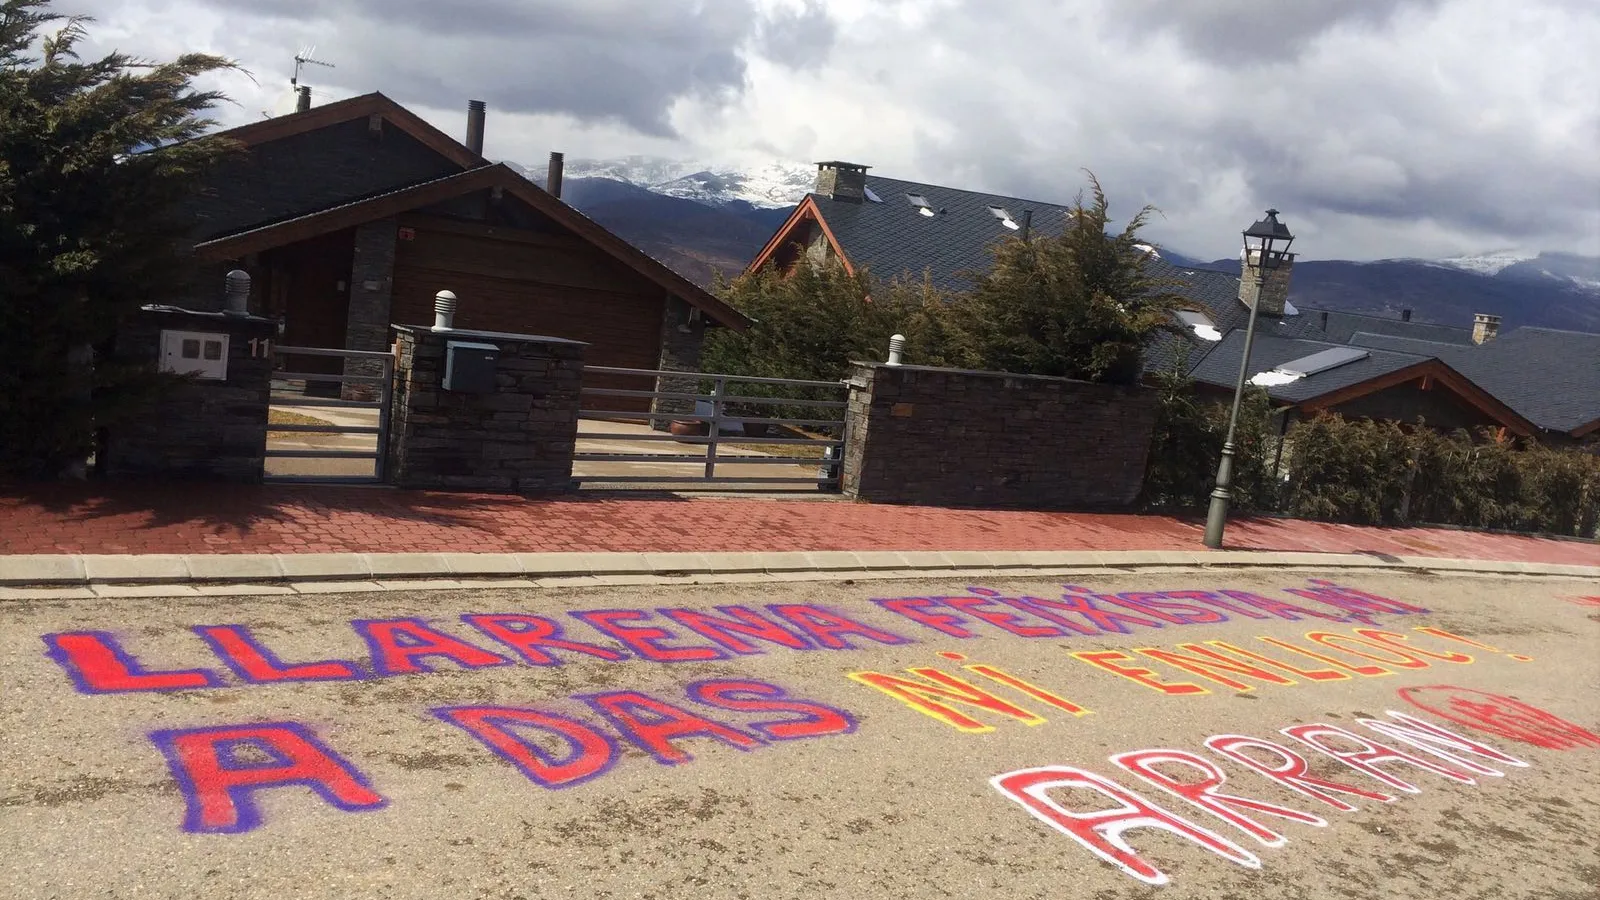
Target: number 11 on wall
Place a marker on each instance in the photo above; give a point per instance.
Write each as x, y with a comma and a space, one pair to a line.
260, 347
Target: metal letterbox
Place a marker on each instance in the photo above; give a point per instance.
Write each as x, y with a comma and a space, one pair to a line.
469, 368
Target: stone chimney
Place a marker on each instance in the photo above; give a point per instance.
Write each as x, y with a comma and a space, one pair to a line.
842, 181
1485, 328
1274, 291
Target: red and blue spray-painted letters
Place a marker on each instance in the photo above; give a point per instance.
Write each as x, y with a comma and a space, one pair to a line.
812, 720
97, 664
590, 752
654, 725
398, 644
255, 664
220, 769
533, 637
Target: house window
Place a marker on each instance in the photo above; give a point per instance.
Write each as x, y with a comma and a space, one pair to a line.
921, 203
1306, 366
1199, 323
999, 212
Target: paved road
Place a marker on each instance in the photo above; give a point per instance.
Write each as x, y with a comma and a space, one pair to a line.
821, 765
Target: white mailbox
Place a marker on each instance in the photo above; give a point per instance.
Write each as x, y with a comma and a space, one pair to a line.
199, 353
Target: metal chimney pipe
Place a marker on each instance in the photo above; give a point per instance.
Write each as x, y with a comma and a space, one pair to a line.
444, 311
552, 182
476, 112
302, 102
236, 293
897, 349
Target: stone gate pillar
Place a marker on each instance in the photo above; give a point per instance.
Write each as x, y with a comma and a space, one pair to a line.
508, 428
211, 426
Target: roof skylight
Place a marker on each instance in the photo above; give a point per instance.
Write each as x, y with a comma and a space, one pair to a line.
921, 203
999, 212
872, 196
1199, 323
1306, 366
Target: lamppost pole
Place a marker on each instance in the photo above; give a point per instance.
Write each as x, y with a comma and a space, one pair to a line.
1259, 240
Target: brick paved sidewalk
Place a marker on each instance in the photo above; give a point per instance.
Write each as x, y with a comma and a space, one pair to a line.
271, 519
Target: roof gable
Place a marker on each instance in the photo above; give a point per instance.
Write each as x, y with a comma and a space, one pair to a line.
891, 237
1378, 370
362, 107
428, 193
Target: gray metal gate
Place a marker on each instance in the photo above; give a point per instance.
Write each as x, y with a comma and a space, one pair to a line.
720, 446
337, 439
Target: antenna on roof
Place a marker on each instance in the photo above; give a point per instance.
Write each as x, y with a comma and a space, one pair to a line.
302, 93
303, 59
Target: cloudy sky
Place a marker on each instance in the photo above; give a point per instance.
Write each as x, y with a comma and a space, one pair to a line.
1381, 128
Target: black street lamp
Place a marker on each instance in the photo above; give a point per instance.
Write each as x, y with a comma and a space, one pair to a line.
1266, 246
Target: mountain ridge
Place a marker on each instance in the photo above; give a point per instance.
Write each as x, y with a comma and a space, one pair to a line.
702, 219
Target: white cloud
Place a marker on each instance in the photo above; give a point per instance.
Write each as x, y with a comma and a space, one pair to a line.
1381, 128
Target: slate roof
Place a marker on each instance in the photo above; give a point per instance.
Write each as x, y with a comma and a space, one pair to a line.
1220, 367
1551, 377
1338, 327
892, 238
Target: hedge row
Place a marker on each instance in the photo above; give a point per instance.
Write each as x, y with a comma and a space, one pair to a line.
1380, 473
1370, 473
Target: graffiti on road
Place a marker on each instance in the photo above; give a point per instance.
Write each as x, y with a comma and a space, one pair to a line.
223, 769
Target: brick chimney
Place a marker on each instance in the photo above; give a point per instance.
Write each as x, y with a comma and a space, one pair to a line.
842, 181
1275, 290
1485, 328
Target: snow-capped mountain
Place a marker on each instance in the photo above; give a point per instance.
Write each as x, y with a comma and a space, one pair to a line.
1488, 263
1567, 270
772, 185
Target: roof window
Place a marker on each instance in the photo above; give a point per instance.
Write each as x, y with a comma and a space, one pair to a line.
872, 196
921, 203
1199, 323
1306, 366
999, 212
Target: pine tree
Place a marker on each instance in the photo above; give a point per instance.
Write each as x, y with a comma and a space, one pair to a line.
95, 158
1078, 305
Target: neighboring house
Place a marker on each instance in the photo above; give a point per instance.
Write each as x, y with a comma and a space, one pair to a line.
1531, 382
351, 217
1550, 376
902, 228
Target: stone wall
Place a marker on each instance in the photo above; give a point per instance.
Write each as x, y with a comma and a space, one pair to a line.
371, 286
682, 336
213, 430
518, 439
1274, 290
950, 437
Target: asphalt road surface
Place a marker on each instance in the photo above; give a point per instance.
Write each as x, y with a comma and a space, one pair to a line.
365, 746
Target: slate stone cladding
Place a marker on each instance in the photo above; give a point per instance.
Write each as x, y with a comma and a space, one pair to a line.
947, 437
371, 289
204, 430
519, 439
681, 340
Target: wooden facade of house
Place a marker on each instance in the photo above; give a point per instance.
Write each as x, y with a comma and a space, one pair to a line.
351, 217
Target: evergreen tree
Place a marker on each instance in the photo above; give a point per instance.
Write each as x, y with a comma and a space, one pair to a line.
94, 159
1079, 305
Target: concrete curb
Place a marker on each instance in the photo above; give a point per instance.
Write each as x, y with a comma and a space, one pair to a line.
150, 575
